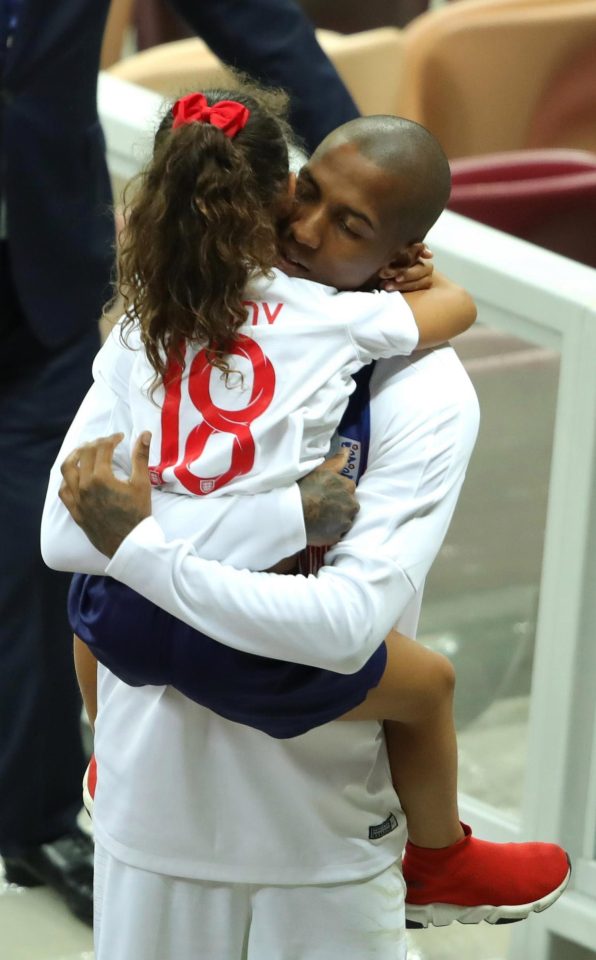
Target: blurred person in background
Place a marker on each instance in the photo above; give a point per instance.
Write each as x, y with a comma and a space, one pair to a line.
156, 21
56, 262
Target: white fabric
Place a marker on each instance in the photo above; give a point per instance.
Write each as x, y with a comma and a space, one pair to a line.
221, 801
313, 339
215, 921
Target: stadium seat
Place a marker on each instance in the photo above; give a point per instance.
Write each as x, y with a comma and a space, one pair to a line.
566, 112
369, 63
476, 71
545, 196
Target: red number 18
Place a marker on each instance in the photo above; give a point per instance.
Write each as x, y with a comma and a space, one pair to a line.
215, 419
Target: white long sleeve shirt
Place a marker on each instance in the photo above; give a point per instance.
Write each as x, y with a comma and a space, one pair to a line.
225, 802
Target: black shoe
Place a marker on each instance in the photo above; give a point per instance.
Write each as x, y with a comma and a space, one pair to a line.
66, 865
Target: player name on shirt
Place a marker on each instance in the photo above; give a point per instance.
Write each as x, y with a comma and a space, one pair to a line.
262, 312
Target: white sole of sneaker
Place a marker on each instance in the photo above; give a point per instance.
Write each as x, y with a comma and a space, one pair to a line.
442, 914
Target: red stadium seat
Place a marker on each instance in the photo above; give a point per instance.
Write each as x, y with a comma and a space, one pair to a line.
545, 196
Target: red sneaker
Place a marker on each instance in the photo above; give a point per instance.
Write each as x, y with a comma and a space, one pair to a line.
473, 880
89, 785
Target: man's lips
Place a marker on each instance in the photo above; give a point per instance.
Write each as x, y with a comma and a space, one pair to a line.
289, 257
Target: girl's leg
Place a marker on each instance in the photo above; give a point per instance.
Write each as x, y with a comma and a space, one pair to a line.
86, 671
415, 699
450, 875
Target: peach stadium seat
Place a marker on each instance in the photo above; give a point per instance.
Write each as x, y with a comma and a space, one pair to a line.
476, 71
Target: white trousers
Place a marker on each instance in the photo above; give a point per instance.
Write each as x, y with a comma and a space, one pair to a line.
147, 916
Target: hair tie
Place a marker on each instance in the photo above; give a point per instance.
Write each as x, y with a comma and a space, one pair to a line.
229, 115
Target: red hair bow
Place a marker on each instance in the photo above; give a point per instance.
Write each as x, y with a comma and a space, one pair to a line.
229, 115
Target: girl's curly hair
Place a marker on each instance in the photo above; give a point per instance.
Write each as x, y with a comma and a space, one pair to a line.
201, 221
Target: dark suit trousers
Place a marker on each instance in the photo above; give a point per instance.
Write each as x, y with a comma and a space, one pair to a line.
41, 754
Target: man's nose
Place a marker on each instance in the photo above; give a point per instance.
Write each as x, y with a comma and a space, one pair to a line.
307, 227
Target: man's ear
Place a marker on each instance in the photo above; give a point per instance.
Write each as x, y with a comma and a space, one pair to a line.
401, 260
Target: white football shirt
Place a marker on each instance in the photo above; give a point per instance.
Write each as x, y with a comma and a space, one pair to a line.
270, 422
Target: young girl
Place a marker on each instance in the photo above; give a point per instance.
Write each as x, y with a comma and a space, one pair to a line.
212, 327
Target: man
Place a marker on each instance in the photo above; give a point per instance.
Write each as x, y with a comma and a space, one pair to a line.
188, 794
56, 260
211, 836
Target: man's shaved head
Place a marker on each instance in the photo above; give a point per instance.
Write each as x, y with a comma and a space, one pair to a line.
412, 156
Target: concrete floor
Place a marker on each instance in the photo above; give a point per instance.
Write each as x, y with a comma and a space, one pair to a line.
35, 925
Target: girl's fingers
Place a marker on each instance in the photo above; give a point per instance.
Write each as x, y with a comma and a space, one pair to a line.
423, 284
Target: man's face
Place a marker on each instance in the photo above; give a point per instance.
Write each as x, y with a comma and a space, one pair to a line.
342, 228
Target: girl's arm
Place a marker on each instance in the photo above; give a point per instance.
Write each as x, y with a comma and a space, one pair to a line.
449, 312
441, 312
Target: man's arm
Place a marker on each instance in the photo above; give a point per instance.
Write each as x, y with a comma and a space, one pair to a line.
424, 417
64, 546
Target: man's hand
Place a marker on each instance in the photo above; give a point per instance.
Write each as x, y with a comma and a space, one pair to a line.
106, 508
328, 501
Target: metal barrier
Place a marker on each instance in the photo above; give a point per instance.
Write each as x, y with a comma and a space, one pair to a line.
548, 300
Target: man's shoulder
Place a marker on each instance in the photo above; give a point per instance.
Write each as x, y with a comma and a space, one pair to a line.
428, 388
430, 376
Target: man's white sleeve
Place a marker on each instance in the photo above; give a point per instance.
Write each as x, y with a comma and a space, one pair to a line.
424, 417
104, 411
64, 546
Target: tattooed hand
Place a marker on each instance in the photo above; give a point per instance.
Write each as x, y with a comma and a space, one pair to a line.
106, 508
328, 501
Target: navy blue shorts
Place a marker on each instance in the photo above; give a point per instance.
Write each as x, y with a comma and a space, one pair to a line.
142, 644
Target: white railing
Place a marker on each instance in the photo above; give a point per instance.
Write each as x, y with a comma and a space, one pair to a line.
550, 301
